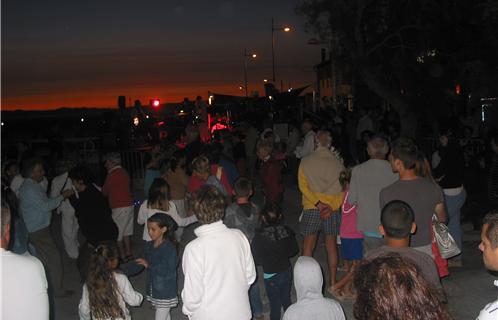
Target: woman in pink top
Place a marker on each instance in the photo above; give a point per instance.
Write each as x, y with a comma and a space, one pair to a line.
351, 241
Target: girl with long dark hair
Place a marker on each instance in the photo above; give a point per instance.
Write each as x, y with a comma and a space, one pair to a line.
107, 292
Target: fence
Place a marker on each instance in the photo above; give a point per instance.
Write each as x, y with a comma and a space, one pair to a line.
133, 162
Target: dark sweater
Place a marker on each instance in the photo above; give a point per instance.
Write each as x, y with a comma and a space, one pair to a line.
272, 247
451, 166
271, 177
94, 216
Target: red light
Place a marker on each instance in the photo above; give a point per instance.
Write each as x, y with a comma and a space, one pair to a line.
155, 103
218, 126
160, 123
458, 89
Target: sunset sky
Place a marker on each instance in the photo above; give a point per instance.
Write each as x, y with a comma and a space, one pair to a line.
87, 53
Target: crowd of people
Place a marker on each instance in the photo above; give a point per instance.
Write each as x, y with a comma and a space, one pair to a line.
379, 211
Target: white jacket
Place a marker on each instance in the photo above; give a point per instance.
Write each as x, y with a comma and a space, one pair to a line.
145, 213
23, 287
61, 183
127, 295
308, 145
218, 268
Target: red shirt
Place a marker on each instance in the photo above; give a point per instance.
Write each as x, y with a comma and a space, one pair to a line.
117, 188
194, 183
271, 177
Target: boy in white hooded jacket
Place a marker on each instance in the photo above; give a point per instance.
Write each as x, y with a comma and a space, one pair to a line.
311, 304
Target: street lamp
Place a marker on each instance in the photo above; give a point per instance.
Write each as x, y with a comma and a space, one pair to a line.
273, 29
246, 55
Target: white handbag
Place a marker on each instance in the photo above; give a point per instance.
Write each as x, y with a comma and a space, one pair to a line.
447, 245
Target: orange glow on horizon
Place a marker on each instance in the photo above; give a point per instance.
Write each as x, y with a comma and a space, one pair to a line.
108, 98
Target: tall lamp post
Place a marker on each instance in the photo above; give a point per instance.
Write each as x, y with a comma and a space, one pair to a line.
246, 55
273, 29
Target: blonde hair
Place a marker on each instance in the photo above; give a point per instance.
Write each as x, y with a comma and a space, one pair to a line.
201, 164
265, 145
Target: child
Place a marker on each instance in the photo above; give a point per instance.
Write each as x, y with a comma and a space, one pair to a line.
311, 304
397, 224
244, 215
158, 201
160, 259
205, 173
270, 172
106, 292
351, 238
272, 247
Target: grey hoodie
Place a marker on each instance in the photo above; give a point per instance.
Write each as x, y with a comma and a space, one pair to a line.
311, 304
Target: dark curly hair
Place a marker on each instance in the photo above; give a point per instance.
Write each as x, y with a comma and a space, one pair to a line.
392, 288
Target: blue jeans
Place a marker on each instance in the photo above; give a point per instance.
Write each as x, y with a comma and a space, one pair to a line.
278, 289
255, 299
453, 206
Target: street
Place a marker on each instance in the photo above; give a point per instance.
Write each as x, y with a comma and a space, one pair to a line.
468, 289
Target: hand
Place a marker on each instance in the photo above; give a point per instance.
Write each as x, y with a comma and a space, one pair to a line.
322, 206
189, 213
325, 210
142, 262
67, 193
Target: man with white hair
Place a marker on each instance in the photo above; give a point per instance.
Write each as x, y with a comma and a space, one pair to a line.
117, 189
318, 178
308, 144
367, 180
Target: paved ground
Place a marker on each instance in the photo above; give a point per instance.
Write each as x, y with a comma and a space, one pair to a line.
468, 288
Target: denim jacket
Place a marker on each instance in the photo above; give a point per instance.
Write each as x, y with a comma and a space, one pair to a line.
161, 273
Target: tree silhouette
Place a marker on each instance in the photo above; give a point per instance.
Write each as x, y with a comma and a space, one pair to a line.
411, 53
